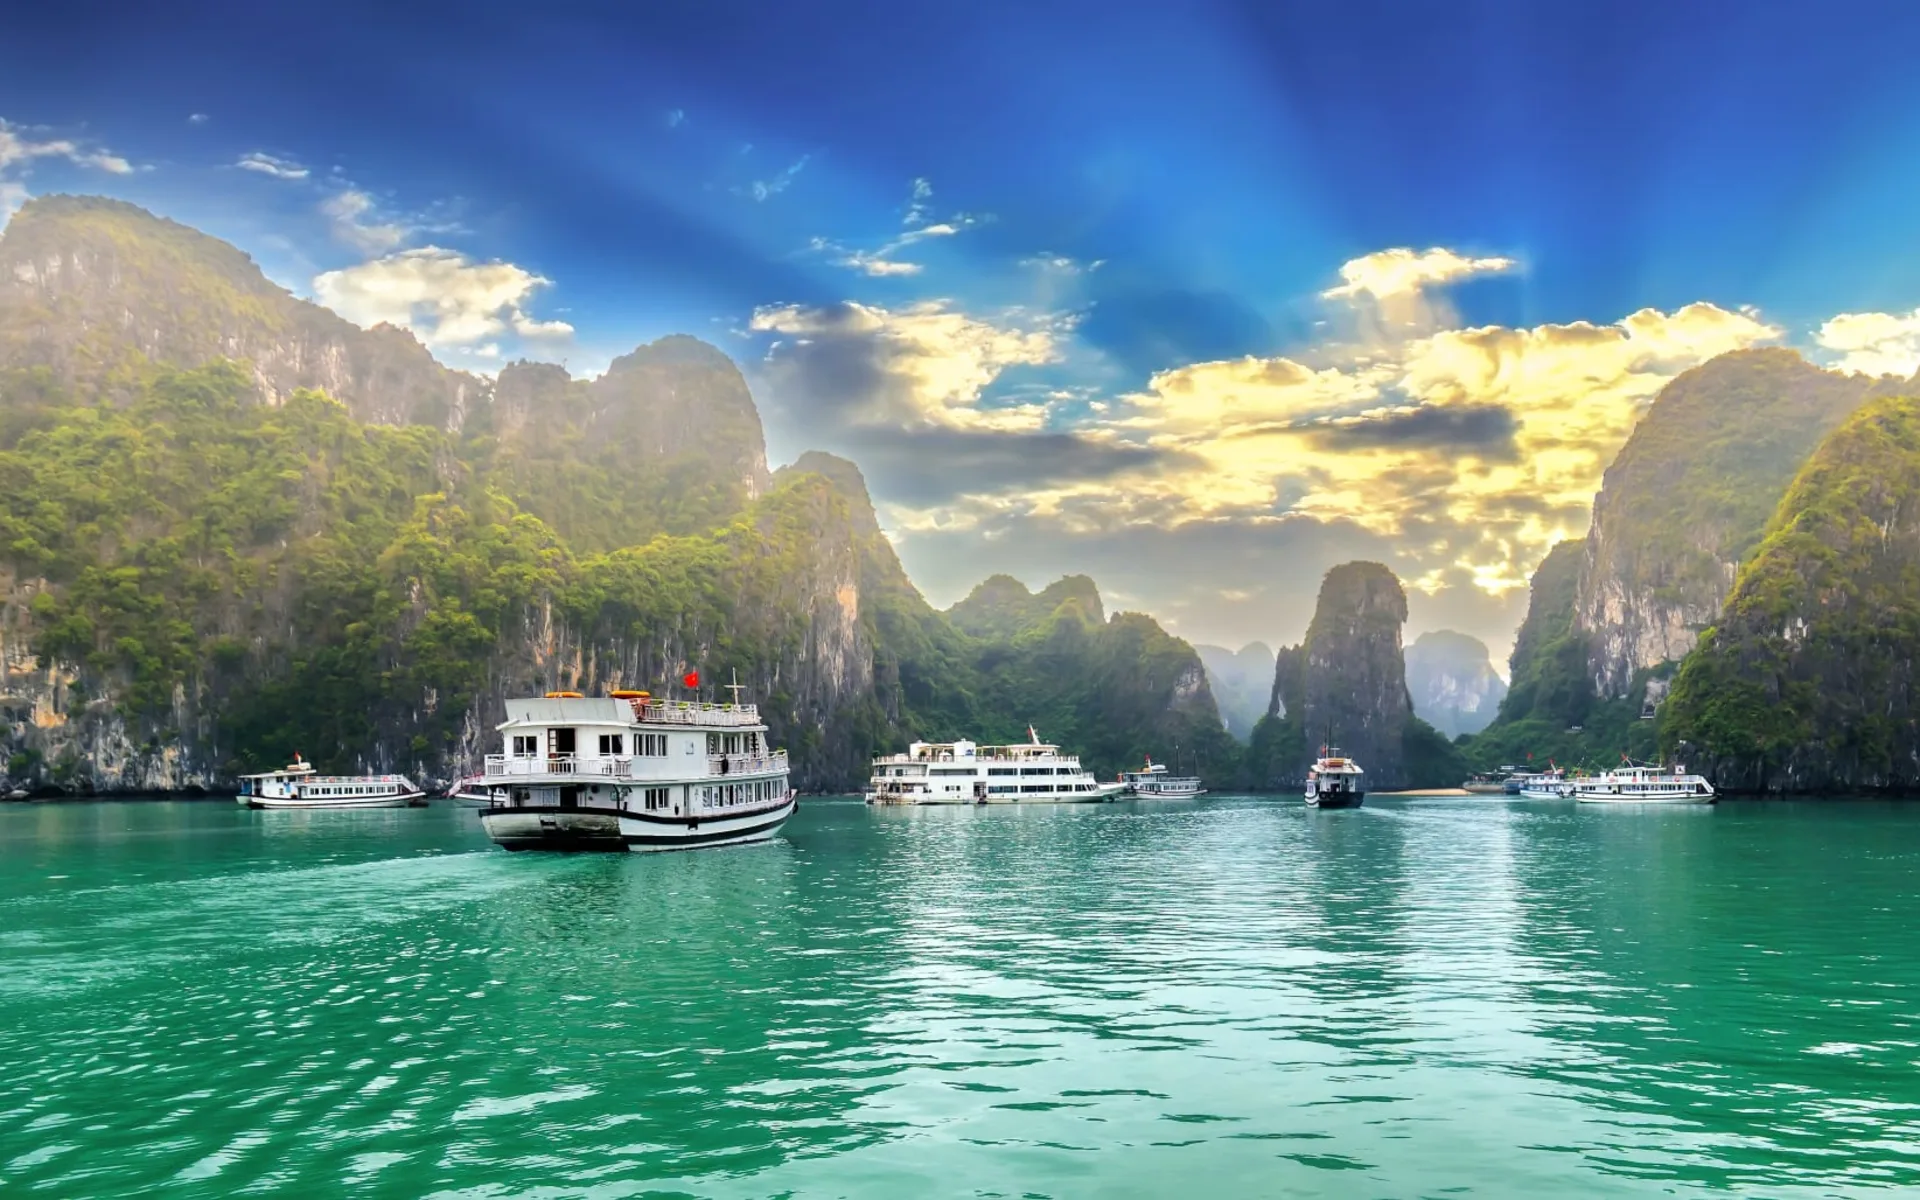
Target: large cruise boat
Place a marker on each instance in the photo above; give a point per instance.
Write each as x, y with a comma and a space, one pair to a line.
1334, 781
1032, 772
628, 772
297, 786
1636, 784
1152, 782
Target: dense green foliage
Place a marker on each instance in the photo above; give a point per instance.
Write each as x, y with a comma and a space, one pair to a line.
1550, 713
1114, 690
1807, 682
1695, 484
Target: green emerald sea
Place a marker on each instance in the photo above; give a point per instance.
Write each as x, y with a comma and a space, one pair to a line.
1227, 997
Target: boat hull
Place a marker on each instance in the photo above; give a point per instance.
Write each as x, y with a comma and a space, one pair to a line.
1676, 798
1538, 794
1336, 800
404, 800
581, 829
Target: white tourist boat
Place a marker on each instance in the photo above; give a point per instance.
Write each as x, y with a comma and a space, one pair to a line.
1031, 772
1152, 782
1636, 784
469, 790
1546, 785
297, 786
1334, 781
627, 772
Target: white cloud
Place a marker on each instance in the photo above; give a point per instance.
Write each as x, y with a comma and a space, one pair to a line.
198, 118
1873, 343
441, 295
917, 203
268, 164
765, 189
923, 365
1386, 274
349, 212
676, 118
884, 261
19, 150
12, 196
1060, 264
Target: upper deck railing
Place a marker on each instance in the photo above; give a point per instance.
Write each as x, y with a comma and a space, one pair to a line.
1064, 760
636, 767
693, 712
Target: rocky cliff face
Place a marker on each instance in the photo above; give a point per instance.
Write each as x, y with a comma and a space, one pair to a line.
1807, 682
1355, 678
99, 292
1687, 498
1452, 682
1242, 683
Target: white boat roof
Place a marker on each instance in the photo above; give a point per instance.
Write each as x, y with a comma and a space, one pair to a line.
625, 712
570, 710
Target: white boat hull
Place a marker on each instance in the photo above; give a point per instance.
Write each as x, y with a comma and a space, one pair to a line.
398, 801
1632, 798
600, 829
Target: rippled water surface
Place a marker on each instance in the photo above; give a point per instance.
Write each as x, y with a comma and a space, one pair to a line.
1212, 998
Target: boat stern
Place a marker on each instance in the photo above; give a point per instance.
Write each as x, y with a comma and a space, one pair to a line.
554, 830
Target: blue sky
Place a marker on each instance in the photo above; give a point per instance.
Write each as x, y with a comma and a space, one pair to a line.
959, 244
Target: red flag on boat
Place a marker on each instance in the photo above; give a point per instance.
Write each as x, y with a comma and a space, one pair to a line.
691, 679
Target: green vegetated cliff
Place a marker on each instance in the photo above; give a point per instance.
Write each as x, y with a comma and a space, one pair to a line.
206, 564
1117, 689
1683, 504
1346, 685
1807, 682
1687, 499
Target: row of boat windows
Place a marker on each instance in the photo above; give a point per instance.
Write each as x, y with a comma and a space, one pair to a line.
1030, 789
972, 772
645, 745
730, 795
310, 790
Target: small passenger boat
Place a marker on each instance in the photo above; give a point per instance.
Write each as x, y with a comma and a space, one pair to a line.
1334, 781
297, 786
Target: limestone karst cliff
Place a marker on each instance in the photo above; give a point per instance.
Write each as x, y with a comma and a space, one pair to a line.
1346, 685
1242, 683
1452, 682
1687, 498
1807, 680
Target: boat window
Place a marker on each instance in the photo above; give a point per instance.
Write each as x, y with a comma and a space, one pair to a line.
562, 742
713, 743
611, 745
650, 745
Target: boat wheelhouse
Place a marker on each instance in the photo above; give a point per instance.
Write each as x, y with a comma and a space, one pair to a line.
1334, 781
962, 772
296, 785
627, 772
1154, 783
1641, 784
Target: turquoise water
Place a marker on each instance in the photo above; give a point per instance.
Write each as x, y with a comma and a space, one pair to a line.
1221, 998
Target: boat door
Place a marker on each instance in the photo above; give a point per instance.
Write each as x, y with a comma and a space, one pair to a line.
979, 792
570, 795
562, 743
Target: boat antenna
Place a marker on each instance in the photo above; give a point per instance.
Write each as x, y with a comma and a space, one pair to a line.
734, 687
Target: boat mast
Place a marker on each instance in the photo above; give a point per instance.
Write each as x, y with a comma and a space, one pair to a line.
734, 687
